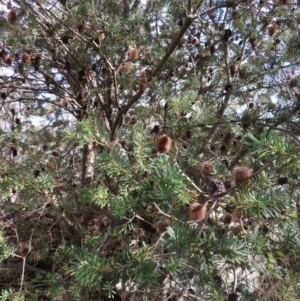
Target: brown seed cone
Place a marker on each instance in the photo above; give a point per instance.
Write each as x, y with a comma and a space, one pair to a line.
228, 218
163, 144
51, 165
241, 175
126, 67
197, 211
8, 60
79, 27
254, 43
206, 168
12, 17
283, 180
56, 153
134, 53
227, 138
233, 297
26, 58
42, 33
143, 80
162, 224
294, 83
239, 214
272, 29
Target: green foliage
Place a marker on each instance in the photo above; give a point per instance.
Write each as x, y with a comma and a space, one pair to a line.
90, 209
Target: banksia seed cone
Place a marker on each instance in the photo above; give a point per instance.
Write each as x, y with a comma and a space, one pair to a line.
134, 53
228, 218
283, 180
56, 153
212, 49
8, 60
163, 144
26, 58
293, 83
216, 186
126, 67
197, 211
206, 168
79, 27
12, 17
227, 138
272, 29
241, 175
143, 80
162, 224
51, 165
239, 214
42, 33
254, 43
233, 297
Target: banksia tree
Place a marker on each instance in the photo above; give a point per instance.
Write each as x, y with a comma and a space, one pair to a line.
108, 111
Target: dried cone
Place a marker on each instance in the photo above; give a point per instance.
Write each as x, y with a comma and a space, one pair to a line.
228, 218
272, 29
143, 80
134, 53
206, 168
126, 67
254, 43
241, 175
283, 180
51, 165
8, 60
42, 33
163, 144
233, 297
12, 17
79, 27
197, 211
26, 58
162, 224
56, 153
294, 83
